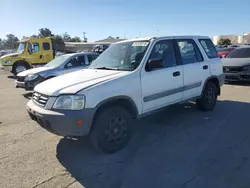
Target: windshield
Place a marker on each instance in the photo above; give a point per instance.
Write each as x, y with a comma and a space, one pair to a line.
21, 47
58, 61
125, 56
240, 53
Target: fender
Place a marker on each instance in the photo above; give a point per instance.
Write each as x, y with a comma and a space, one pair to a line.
116, 99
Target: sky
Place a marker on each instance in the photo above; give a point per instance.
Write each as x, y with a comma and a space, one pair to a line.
125, 18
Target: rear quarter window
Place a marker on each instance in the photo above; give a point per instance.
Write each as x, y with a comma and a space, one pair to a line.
209, 48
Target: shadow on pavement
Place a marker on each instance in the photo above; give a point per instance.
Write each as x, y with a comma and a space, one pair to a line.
178, 147
28, 95
239, 83
12, 77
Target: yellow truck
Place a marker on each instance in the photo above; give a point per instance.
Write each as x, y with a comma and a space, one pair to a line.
30, 53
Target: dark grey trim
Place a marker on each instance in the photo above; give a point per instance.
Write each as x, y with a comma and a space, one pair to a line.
113, 99
221, 79
221, 76
171, 92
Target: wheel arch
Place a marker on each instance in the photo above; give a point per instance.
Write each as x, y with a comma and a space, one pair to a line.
123, 101
20, 62
215, 80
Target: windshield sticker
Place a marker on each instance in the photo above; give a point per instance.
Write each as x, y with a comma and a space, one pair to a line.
140, 43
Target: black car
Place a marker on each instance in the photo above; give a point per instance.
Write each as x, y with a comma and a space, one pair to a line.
236, 65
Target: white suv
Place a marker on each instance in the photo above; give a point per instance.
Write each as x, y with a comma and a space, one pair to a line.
131, 79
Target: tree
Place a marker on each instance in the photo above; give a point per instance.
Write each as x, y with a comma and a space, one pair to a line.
11, 41
224, 41
66, 37
24, 37
45, 32
1, 44
34, 36
75, 39
58, 43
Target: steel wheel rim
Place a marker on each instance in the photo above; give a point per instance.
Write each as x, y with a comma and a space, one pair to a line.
210, 95
20, 68
116, 131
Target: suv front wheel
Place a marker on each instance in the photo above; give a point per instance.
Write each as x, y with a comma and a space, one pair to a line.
111, 130
208, 99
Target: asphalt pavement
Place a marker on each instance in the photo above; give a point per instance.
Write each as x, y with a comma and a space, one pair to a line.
179, 147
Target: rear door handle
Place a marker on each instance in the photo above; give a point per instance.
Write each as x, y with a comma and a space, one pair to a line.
41, 56
176, 73
205, 67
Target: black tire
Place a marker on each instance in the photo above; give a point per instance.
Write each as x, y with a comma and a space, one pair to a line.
111, 129
23, 64
208, 99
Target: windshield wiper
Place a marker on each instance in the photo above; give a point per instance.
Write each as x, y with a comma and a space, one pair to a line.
111, 68
107, 68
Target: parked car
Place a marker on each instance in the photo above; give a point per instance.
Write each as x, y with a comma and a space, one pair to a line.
100, 48
132, 79
3, 52
236, 65
222, 52
60, 65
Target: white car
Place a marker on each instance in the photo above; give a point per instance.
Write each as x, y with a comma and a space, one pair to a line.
131, 79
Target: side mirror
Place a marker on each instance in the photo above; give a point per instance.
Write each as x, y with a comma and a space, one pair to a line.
154, 64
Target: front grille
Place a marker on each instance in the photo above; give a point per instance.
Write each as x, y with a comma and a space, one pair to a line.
40, 99
20, 78
232, 69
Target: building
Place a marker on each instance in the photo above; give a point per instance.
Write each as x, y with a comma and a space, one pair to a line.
88, 46
235, 39
110, 40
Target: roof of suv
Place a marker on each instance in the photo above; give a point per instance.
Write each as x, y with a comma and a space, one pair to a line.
165, 37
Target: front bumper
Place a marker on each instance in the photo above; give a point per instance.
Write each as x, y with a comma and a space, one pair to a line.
62, 122
239, 76
29, 85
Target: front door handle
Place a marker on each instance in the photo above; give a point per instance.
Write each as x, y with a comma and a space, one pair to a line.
41, 56
177, 73
205, 67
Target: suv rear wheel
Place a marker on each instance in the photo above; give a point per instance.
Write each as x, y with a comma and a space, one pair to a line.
112, 129
208, 99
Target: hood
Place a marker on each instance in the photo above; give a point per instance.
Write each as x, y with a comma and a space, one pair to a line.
11, 55
73, 82
235, 62
34, 71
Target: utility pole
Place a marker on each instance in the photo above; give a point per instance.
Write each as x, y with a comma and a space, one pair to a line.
84, 38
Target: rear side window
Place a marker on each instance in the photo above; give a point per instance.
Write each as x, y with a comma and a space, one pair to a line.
76, 62
189, 51
46, 46
209, 48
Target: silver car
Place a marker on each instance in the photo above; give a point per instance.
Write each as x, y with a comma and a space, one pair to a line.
61, 65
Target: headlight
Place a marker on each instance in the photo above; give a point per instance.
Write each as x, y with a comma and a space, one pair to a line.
7, 62
70, 102
31, 77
